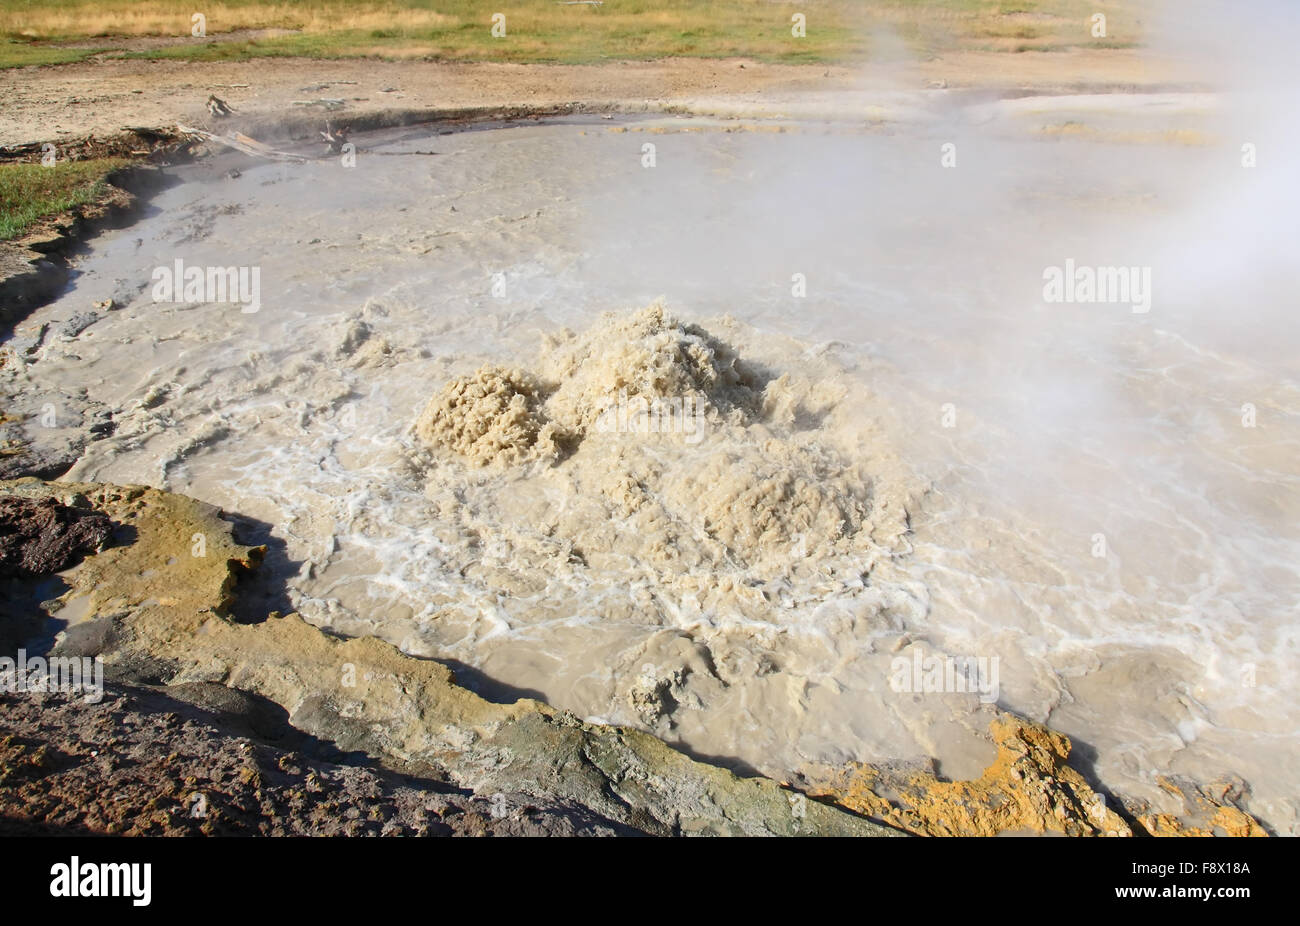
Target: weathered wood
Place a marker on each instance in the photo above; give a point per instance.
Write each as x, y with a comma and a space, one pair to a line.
241, 142
219, 107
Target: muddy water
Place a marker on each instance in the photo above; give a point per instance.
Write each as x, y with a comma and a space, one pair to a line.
1088, 505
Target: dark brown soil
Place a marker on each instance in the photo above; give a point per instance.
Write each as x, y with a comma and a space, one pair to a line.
41, 537
141, 762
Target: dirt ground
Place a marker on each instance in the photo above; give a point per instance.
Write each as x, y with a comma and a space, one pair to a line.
146, 763
101, 96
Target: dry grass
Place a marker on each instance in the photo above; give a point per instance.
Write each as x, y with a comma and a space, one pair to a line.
992, 25
542, 30
75, 20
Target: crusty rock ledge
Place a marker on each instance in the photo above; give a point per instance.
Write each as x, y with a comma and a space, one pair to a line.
163, 618
144, 763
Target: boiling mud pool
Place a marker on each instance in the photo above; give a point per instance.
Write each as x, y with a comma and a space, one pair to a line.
1068, 492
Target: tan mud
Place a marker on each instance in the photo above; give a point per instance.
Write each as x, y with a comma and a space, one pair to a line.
1068, 421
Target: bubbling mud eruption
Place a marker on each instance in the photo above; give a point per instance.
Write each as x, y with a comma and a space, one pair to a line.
658, 451
489, 417
722, 520
727, 513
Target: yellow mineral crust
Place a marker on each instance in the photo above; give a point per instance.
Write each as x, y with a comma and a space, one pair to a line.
1028, 789
1210, 811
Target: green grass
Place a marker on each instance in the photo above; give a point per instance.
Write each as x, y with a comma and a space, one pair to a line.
543, 31
16, 54
30, 192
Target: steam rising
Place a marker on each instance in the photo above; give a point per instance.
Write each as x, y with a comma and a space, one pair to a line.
900, 445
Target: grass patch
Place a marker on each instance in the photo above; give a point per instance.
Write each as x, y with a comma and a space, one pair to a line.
31, 192
15, 54
838, 31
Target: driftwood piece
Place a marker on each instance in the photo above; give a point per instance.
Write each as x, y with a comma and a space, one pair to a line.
335, 138
219, 107
241, 142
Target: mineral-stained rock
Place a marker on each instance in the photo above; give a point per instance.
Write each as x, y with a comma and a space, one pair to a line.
363, 694
38, 537
179, 554
1027, 789
141, 764
1210, 810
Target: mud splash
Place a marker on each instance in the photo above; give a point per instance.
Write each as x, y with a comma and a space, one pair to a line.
489, 417
645, 475
661, 430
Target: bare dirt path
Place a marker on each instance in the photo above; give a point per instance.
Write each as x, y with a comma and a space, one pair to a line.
103, 96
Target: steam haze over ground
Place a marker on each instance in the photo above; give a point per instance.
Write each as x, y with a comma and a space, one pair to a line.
1105, 501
